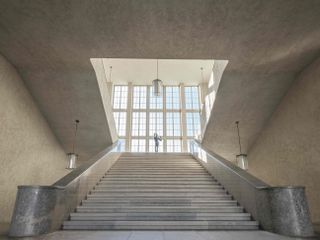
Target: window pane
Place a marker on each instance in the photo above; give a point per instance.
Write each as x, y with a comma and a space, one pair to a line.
120, 97
173, 124
139, 97
139, 124
155, 102
138, 145
192, 97
120, 119
156, 123
122, 145
193, 124
173, 145
172, 98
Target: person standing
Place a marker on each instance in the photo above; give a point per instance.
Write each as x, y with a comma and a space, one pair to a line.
156, 138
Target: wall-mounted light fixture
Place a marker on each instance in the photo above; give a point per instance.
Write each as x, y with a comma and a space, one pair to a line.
242, 160
157, 84
72, 157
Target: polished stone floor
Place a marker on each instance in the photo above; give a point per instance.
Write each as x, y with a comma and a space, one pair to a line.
159, 235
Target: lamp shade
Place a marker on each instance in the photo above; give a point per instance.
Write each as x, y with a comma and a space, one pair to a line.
72, 160
242, 161
157, 86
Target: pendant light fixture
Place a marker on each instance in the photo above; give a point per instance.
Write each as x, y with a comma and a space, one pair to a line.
242, 160
157, 84
73, 156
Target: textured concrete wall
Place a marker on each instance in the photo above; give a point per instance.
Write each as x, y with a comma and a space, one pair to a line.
288, 150
29, 152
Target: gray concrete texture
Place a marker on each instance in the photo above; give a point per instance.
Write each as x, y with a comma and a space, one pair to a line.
266, 42
287, 151
161, 235
30, 153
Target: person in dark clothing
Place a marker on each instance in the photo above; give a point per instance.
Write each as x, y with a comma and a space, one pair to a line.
156, 138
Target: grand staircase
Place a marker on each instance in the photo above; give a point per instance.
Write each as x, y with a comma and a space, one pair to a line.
159, 192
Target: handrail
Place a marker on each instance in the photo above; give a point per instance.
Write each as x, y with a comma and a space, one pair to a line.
282, 210
252, 180
76, 173
42, 209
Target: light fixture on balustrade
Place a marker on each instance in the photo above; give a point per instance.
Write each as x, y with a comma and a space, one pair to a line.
72, 156
242, 160
157, 84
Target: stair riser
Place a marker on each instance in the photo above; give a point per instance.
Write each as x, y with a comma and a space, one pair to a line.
162, 218
151, 187
126, 210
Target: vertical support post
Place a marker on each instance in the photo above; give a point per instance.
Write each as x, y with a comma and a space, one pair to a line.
129, 117
147, 118
183, 118
164, 140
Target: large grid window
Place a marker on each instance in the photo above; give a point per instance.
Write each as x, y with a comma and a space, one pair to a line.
120, 119
193, 123
138, 145
172, 97
139, 97
122, 145
139, 124
120, 97
173, 124
155, 102
192, 98
155, 123
173, 145
138, 118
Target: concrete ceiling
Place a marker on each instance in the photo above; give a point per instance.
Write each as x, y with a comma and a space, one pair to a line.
170, 71
266, 42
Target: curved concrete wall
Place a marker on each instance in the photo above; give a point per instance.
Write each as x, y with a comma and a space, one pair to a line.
288, 150
29, 152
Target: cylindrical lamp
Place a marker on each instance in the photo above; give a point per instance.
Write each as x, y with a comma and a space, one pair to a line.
242, 161
157, 86
72, 160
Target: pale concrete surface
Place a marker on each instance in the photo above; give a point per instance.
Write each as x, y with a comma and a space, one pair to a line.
287, 152
266, 43
30, 153
160, 235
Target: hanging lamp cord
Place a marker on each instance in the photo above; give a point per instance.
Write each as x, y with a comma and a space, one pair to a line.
75, 135
157, 68
110, 73
237, 123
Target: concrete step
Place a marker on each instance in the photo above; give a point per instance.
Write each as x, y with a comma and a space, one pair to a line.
147, 198
124, 205
162, 209
158, 169
160, 225
168, 201
157, 181
159, 186
163, 176
161, 217
158, 194
163, 171
164, 191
